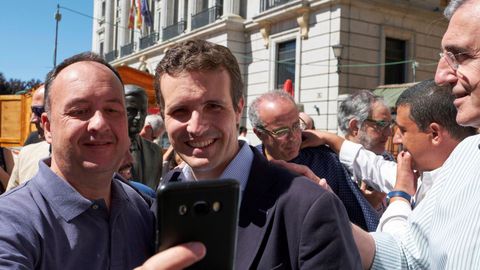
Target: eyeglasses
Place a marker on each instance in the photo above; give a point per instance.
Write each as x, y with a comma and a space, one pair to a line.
282, 133
451, 59
38, 110
381, 124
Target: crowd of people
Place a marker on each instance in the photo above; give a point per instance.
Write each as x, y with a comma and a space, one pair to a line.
81, 193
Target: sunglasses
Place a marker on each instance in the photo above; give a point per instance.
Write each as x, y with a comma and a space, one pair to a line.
38, 110
381, 124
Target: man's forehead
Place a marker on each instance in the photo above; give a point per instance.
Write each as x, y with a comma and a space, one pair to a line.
403, 113
85, 76
463, 28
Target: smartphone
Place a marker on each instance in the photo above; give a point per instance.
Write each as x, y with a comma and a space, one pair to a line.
204, 211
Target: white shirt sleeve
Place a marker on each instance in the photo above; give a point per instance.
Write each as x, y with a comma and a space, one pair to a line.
367, 166
395, 219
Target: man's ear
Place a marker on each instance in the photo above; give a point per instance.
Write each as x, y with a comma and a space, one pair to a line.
353, 126
259, 134
239, 109
436, 131
46, 127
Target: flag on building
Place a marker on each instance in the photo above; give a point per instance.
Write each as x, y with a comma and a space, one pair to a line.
147, 16
139, 15
131, 15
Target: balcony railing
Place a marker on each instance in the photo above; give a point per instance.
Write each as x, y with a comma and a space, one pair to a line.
269, 4
148, 40
206, 16
173, 30
110, 56
127, 49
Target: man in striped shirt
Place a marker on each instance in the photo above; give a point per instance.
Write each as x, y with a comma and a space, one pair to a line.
444, 230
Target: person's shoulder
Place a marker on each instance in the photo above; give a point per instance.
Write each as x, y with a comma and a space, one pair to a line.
34, 147
136, 199
295, 183
20, 203
321, 153
321, 149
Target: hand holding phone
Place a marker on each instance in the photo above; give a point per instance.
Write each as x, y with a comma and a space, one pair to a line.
205, 211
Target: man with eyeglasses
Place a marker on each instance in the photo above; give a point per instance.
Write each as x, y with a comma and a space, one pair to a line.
364, 118
443, 231
275, 120
427, 133
27, 162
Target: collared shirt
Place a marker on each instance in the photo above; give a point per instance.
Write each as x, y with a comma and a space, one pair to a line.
47, 224
444, 230
369, 167
395, 219
238, 168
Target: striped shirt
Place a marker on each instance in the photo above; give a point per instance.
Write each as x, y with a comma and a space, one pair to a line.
444, 230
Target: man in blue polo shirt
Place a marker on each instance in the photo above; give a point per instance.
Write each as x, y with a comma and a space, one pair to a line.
74, 214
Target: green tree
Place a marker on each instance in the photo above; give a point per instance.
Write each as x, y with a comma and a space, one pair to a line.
12, 86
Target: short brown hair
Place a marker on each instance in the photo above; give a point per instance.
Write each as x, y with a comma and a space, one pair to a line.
199, 55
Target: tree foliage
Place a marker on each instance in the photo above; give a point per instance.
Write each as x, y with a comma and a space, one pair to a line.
12, 86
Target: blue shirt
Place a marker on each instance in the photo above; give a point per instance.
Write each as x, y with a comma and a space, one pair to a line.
47, 224
238, 168
144, 189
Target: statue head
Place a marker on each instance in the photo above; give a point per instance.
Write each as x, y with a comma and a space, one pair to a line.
136, 102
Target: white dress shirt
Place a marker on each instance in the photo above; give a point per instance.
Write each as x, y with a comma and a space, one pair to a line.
443, 232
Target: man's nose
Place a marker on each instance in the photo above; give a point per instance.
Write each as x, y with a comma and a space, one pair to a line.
98, 122
138, 116
196, 124
445, 75
387, 131
397, 137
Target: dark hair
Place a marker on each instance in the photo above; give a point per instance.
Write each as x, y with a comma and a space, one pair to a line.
430, 103
242, 129
81, 57
199, 55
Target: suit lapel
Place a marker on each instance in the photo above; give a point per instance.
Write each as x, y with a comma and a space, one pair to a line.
256, 213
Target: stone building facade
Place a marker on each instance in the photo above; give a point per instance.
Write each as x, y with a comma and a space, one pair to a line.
279, 40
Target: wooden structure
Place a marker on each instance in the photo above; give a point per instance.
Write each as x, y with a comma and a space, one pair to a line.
143, 79
15, 110
15, 119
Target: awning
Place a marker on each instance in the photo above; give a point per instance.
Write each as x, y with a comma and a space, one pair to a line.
391, 92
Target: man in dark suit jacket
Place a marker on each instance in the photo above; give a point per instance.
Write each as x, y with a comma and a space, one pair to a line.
286, 221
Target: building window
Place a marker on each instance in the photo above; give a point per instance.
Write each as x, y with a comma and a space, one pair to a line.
175, 12
395, 51
285, 63
101, 49
103, 8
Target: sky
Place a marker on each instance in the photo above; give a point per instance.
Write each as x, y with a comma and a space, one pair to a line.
28, 35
